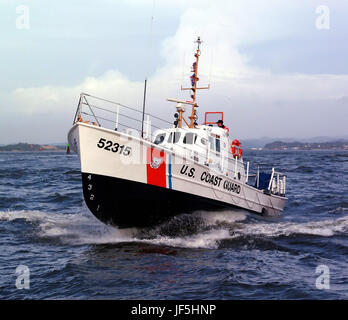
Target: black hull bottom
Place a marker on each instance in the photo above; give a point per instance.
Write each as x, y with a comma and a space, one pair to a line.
125, 203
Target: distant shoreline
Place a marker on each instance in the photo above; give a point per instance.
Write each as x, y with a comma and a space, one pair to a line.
305, 146
246, 149
30, 147
273, 146
295, 150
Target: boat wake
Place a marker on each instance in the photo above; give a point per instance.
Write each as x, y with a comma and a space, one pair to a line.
197, 230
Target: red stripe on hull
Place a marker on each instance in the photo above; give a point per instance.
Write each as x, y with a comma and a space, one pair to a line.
156, 167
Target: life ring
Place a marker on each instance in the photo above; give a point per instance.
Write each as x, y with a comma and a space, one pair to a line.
236, 149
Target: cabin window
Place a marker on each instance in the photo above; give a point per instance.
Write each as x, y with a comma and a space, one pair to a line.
190, 138
204, 141
211, 143
176, 136
160, 138
217, 142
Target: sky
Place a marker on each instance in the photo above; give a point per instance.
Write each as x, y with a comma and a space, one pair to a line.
276, 68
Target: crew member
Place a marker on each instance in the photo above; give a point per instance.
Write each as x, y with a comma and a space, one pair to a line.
220, 124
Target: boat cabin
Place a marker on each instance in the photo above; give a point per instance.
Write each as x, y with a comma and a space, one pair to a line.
200, 141
205, 144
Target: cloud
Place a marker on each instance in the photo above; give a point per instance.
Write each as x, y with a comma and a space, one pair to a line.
256, 101
58, 99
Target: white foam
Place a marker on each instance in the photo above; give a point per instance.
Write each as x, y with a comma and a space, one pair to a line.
324, 228
84, 228
216, 217
79, 228
208, 239
26, 215
338, 210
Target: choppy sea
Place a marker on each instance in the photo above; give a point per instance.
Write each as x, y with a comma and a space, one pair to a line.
68, 254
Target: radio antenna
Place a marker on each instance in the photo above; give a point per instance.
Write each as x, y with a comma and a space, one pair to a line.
194, 79
147, 69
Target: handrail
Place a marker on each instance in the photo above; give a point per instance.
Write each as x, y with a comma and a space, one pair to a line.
226, 155
231, 172
152, 125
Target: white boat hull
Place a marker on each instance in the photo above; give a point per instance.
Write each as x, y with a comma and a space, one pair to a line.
128, 181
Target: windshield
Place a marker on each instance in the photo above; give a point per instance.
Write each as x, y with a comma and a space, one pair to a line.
217, 145
211, 143
176, 137
159, 138
190, 138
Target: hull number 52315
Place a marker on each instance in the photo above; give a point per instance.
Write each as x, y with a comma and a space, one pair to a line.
114, 147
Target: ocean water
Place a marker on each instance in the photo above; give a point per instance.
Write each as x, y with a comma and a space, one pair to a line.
45, 225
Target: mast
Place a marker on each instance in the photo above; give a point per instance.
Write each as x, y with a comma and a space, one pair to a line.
146, 72
194, 78
143, 114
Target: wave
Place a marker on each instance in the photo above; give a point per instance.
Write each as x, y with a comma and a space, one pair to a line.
324, 228
74, 228
339, 210
304, 169
13, 173
75, 172
199, 230
217, 230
